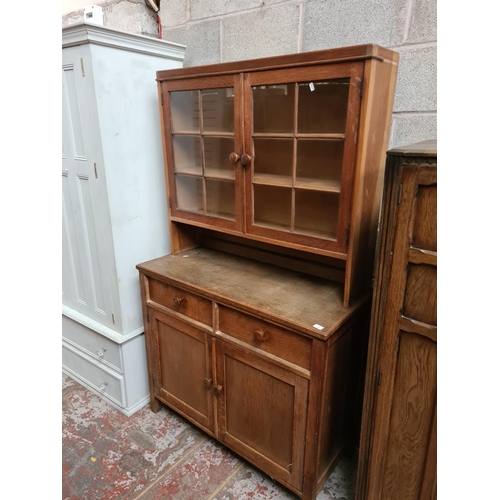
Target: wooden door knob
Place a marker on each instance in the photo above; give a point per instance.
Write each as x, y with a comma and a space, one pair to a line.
178, 301
207, 382
217, 390
259, 336
245, 160
234, 157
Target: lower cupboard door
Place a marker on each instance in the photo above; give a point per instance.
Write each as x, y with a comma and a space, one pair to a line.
261, 412
184, 378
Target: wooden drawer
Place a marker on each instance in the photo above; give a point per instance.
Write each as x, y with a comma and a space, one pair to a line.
265, 336
179, 300
92, 343
97, 376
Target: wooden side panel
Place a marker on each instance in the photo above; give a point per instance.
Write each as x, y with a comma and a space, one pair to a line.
334, 424
376, 110
343, 392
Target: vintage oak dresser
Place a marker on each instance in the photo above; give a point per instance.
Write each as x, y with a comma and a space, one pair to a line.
398, 440
256, 324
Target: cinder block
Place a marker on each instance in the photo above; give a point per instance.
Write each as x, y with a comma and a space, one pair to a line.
416, 87
173, 13
267, 32
423, 27
407, 130
207, 8
329, 24
72, 18
131, 16
202, 40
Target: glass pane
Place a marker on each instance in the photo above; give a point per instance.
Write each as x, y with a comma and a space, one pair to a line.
273, 160
272, 206
218, 110
187, 154
319, 162
273, 108
217, 151
316, 213
220, 198
189, 193
184, 111
323, 107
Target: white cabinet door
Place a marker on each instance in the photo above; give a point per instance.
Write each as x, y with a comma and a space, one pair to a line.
86, 272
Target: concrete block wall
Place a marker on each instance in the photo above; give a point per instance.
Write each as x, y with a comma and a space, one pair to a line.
230, 30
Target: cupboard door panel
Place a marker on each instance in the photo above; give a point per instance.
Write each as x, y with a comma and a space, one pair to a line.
302, 158
200, 133
412, 415
88, 288
262, 412
184, 379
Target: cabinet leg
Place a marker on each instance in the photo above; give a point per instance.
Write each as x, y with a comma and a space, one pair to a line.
308, 492
155, 405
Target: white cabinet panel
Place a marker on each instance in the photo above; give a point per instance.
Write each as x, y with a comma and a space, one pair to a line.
85, 263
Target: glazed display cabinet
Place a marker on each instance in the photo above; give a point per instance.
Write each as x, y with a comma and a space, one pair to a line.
256, 324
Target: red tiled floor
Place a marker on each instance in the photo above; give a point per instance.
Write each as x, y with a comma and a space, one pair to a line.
149, 456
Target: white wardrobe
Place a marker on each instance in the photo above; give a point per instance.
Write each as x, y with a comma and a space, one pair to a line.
114, 211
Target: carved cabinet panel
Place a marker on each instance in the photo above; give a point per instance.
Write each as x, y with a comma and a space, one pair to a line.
398, 451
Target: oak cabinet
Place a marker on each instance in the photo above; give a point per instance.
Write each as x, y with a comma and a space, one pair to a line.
256, 324
398, 440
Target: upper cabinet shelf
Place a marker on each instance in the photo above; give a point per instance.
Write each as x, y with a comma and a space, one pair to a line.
284, 150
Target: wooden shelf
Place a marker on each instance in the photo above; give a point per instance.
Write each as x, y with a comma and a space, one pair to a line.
291, 135
229, 135
272, 180
329, 186
189, 174
219, 174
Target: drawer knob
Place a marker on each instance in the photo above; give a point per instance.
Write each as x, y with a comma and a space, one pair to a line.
100, 352
207, 382
234, 157
217, 390
245, 159
178, 301
102, 386
259, 336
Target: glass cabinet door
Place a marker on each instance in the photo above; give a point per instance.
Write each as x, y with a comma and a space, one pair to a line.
205, 146
301, 140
